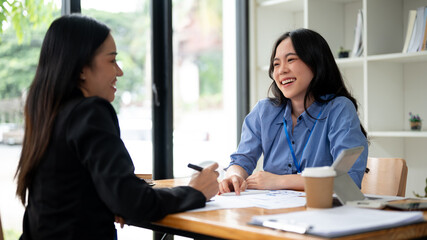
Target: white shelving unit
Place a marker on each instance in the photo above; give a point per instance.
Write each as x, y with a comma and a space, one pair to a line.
387, 83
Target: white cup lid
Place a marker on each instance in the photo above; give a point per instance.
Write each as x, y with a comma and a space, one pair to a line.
319, 172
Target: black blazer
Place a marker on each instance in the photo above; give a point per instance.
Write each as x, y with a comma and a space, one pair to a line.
86, 177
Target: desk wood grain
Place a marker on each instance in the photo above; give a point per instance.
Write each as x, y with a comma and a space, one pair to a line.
232, 223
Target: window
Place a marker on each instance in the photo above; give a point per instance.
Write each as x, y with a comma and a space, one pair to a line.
204, 85
130, 26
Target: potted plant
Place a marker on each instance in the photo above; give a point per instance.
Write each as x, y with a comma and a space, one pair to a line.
343, 53
415, 122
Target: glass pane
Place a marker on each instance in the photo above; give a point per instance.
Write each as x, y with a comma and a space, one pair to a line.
204, 100
19, 52
129, 21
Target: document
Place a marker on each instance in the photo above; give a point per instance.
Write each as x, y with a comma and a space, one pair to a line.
268, 199
338, 221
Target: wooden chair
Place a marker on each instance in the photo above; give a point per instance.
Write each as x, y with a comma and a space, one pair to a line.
385, 176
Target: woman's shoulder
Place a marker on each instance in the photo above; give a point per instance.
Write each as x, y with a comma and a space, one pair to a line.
266, 110
88, 103
268, 104
83, 106
85, 101
340, 101
341, 105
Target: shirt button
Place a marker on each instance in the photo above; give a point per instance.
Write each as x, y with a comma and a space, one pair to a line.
293, 142
299, 118
289, 165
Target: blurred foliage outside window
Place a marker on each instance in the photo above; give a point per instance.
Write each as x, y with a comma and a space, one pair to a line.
25, 15
22, 27
130, 31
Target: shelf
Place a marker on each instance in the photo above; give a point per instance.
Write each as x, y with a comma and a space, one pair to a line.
400, 57
341, 62
421, 134
391, 57
350, 62
288, 5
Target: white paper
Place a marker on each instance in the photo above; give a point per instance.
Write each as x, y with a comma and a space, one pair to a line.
270, 199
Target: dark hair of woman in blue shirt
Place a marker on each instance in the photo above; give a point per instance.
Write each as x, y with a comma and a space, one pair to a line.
63, 54
314, 51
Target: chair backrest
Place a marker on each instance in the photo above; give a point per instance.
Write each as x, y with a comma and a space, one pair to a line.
385, 176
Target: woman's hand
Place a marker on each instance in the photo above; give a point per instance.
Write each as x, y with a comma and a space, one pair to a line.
234, 183
206, 181
234, 180
271, 181
264, 180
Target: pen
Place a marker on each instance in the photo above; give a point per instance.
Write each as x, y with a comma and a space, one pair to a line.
195, 167
247, 192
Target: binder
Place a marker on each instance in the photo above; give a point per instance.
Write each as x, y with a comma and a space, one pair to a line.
411, 22
418, 32
358, 36
338, 221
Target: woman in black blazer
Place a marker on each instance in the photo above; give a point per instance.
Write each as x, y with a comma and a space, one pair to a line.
73, 164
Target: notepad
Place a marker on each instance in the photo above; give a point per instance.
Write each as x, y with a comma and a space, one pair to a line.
341, 221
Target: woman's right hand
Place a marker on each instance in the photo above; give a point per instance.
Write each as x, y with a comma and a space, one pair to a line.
206, 181
234, 183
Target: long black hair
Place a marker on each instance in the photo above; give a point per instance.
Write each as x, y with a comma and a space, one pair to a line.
69, 44
314, 51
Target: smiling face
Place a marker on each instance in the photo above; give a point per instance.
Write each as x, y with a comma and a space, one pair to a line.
100, 78
291, 75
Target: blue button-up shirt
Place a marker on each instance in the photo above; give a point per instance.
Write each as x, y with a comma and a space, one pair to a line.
337, 128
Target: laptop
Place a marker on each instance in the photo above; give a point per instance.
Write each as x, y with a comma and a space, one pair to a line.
346, 191
344, 186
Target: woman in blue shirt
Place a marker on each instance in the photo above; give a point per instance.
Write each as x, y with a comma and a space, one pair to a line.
308, 121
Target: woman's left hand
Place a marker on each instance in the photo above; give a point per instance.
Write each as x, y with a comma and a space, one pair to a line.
264, 180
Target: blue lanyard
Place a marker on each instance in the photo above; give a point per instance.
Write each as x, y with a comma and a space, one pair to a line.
290, 144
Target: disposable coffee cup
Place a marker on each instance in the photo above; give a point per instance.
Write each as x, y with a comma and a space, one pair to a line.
319, 187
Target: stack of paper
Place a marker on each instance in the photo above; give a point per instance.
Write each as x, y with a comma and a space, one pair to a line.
338, 221
268, 199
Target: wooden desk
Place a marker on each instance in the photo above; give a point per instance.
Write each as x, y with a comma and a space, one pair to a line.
232, 224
